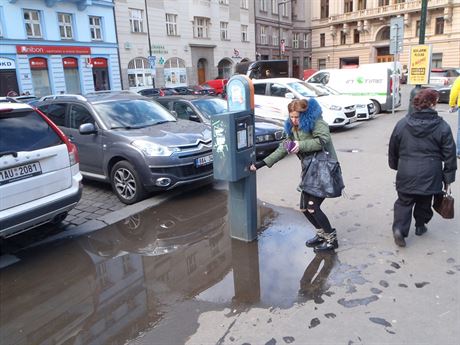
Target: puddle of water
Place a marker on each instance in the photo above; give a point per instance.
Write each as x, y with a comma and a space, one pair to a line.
117, 283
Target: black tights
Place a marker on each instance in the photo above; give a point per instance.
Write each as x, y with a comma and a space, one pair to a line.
312, 206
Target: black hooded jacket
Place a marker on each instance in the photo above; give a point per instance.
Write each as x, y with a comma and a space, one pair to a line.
422, 150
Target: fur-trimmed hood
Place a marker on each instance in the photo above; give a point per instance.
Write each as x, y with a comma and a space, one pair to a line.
307, 118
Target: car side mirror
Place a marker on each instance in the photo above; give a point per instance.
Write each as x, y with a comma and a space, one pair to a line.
289, 95
194, 117
87, 128
173, 112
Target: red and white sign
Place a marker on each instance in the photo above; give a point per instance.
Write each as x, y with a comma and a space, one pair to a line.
53, 50
99, 63
283, 46
38, 63
69, 62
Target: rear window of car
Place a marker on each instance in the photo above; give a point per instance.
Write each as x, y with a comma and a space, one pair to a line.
25, 131
438, 74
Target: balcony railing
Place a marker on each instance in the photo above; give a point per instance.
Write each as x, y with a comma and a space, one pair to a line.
394, 9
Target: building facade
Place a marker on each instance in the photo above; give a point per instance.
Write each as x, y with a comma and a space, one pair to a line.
283, 32
353, 32
182, 42
51, 47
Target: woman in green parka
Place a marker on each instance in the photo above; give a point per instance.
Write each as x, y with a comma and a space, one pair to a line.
306, 128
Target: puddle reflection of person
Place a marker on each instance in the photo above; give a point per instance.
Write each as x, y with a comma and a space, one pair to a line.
314, 280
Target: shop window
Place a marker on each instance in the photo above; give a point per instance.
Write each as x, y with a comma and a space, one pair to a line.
71, 75
224, 68
32, 23
175, 73
40, 76
65, 26
139, 73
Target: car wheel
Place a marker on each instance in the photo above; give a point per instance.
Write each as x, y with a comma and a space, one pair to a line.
126, 183
378, 108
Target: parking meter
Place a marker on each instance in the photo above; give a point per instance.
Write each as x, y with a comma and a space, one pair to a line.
233, 151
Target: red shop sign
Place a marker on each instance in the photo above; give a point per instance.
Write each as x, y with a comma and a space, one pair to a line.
70, 62
99, 62
38, 63
53, 50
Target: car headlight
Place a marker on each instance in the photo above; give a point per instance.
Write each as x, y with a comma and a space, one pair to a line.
264, 138
335, 107
154, 150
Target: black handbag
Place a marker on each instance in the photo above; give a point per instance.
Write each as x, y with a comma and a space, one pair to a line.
444, 204
321, 175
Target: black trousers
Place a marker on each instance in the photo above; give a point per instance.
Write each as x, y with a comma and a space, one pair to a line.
312, 206
421, 205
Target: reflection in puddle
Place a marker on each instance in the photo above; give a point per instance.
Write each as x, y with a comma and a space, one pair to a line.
176, 259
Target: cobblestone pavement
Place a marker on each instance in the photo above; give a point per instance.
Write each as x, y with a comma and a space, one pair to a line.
97, 200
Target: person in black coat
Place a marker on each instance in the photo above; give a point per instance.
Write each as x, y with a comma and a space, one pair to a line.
422, 150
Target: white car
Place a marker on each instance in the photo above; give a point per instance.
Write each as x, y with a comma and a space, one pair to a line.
365, 108
272, 96
40, 180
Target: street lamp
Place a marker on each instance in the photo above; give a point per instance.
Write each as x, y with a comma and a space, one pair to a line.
279, 24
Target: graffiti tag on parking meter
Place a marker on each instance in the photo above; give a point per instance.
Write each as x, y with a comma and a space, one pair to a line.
218, 140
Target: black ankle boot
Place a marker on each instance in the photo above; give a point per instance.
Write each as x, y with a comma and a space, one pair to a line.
330, 243
420, 230
313, 242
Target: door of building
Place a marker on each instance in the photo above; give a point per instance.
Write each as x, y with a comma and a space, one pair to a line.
201, 71
8, 82
100, 74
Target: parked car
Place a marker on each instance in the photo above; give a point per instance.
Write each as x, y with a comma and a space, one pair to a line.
443, 76
201, 109
365, 108
132, 142
443, 91
39, 170
217, 84
272, 96
157, 92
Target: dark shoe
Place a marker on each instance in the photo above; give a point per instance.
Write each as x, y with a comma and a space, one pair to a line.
313, 242
399, 238
420, 230
326, 246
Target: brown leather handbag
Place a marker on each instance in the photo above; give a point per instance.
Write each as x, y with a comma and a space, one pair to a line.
444, 204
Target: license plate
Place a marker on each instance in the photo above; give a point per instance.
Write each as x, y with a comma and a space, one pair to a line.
205, 160
20, 172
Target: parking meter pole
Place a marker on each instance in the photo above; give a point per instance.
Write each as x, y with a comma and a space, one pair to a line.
246, 275
233, 149
421, 40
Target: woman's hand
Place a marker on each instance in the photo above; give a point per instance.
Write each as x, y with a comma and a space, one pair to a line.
252, 167
296, 147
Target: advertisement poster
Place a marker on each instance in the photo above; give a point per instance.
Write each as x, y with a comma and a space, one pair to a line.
175, 77
419, 67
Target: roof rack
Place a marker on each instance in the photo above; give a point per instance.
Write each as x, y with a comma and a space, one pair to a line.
63, 96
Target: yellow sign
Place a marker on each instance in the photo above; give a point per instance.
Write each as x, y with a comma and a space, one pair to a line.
419, 67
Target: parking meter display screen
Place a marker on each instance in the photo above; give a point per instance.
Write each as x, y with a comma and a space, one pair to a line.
244, 133
241, 139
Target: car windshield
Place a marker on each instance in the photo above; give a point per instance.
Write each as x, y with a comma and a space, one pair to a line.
306, 90
133, 113
209, 107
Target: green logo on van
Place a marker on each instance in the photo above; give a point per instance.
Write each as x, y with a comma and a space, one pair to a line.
360, 80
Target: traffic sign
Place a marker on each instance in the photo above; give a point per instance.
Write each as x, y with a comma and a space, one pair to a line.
396, 35
152, 61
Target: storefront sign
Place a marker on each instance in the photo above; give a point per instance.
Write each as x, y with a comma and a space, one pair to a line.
99, 62
70, 62
7, 63
38, 63
159, 49
53, 50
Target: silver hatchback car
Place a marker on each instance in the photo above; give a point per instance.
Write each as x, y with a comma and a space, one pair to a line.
132, 142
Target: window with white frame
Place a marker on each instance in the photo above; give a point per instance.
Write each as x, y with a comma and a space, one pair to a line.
295, 40
139, 73
223, 2
263, 5
263, 34
65, 26
244, 4
32, 22
244, 33
224, 31
275, 38
95, 27
306, 40
201, 27
275, 6
171, 24
284, 9
135, 20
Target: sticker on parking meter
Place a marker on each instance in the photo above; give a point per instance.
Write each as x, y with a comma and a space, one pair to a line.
237, 96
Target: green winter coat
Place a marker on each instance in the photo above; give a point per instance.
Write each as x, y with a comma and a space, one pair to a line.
309, 142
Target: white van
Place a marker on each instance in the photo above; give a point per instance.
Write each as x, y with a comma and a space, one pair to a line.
371, 80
